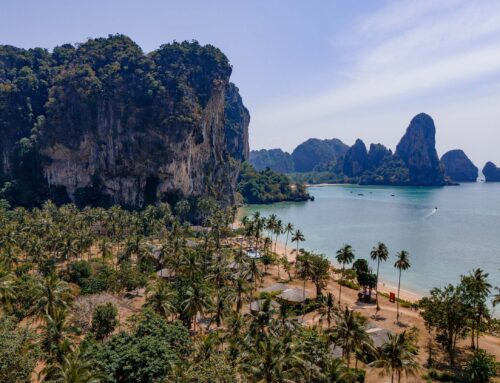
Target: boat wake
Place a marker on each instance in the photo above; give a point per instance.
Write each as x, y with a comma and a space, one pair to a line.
433, 211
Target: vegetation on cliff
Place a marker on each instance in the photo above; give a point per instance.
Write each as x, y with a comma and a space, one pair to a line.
267, 186
102, 122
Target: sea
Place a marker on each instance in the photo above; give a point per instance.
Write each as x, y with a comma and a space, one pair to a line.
448, 231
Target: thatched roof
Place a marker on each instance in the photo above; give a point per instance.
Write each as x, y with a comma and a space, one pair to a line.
256, 306
165, 273
294, 295
378, 335
276, 287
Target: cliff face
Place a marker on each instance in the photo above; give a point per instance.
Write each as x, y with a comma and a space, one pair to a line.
119, 126
417, 149
356, 159
314, 152
491, 172
459, 167
274, 159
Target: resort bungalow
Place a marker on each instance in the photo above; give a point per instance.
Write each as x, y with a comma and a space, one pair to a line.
379, 335
275, 288
294, 296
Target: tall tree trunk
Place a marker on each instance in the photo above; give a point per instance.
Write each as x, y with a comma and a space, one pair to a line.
340, 284
397, 300
376, 288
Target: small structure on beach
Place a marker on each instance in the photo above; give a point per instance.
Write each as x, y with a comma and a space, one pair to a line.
294, 296
379, 335
254, 253
257, 305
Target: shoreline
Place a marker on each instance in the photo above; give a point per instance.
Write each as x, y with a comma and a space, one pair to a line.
383, 286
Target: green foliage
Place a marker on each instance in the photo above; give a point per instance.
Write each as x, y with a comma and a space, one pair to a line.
144, 355
267, 186
79, 271
482, 368
18, 353
104, 320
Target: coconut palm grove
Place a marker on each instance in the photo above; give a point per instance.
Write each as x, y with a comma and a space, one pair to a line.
112, 295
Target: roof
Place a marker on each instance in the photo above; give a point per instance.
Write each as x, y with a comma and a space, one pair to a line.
165, 273
294, 295
255, 306
378, 335
275, 288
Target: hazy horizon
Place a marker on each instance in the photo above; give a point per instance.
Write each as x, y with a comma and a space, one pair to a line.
320, 69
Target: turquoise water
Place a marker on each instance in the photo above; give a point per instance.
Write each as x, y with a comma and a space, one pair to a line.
461, 234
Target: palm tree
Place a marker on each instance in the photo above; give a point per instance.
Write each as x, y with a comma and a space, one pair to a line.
349, 333
477, 289
197, 301
288, 229
327, 308
344, 256
7, 290
278, 229
254, 271
73, 369
304, 268
50, 294
162, 298
402, 263
298, 237
379, 253
397, 356
241, 289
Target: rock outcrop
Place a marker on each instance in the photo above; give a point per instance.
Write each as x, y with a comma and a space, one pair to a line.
314, 152
355, 159
274, 159
108, 124
458, 167
491, 172
417, 149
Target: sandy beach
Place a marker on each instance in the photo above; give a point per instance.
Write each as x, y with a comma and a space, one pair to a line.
383, 287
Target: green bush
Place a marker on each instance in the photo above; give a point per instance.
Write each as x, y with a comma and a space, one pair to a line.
79, 271
104, 320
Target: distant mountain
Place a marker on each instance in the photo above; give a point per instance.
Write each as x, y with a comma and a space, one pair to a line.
491, 172
458, 166
274, 159
314, 152
415, 161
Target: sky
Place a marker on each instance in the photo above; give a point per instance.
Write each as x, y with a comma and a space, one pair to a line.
327, 69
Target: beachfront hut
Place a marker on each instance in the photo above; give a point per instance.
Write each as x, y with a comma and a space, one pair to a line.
294, 296
254, 253
379, 335
257, 305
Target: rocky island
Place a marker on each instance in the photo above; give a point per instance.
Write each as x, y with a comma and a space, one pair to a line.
491, 172
415, 161
458, 167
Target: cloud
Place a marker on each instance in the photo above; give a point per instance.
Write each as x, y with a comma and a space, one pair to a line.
409, 51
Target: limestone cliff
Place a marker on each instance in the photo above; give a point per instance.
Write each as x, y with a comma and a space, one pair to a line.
356, 159
121, 126
417, 149
491, 172
274, 159
458, 167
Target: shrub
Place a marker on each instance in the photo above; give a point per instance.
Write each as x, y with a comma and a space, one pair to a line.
104, 320
79, 271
